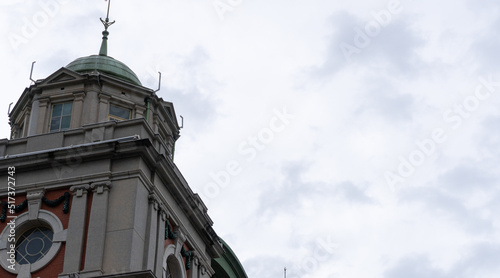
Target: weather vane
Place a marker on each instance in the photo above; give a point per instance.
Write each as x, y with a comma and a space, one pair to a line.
106, 22
104, 45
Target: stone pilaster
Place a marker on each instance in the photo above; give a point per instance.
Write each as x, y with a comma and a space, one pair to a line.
96, 234
160, 244
76, 230
103, 108
152, 235
26, 122
33, 122
156, 120
42, 116
195, 265
76, 117
139, 111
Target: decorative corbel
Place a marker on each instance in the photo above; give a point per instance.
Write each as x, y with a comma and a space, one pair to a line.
179, 241
154, 201
34, 198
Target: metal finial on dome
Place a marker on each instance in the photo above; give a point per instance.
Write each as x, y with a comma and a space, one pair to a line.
104, 45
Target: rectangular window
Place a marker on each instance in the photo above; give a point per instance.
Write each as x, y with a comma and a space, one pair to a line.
61, 116
118, 113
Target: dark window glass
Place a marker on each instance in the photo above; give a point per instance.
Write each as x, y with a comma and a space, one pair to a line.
66, 120
33, 244
67, 107
55, 124
56, 110
119, 113
61, 116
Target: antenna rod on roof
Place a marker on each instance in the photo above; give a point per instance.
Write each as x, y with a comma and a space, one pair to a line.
31, 73
106, 22
109, 4
159, 82
8, 112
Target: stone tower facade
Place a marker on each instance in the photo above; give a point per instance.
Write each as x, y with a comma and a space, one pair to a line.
90, 188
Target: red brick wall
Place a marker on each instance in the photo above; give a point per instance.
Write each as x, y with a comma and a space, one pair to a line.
55, 267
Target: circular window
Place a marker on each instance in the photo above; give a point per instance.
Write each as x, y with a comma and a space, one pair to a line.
33, 244
37, 242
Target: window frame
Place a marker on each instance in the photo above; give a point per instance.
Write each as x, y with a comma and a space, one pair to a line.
26, 237
60, 116
112, 117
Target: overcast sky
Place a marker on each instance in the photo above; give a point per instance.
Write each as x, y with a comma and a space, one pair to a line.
336, 138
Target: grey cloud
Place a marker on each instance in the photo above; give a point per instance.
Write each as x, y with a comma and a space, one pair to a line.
309, 253
468, 178
446, 206
414, 266
287, 197
481, 6
396, 46
353, 194
198, 108
342, 25
265, 266
490, 140
479, 260
392, 50
485, 48
382, 99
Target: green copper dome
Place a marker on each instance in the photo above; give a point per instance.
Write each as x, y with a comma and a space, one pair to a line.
105, 65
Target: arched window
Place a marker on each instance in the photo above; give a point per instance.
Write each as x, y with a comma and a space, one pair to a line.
173, 265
